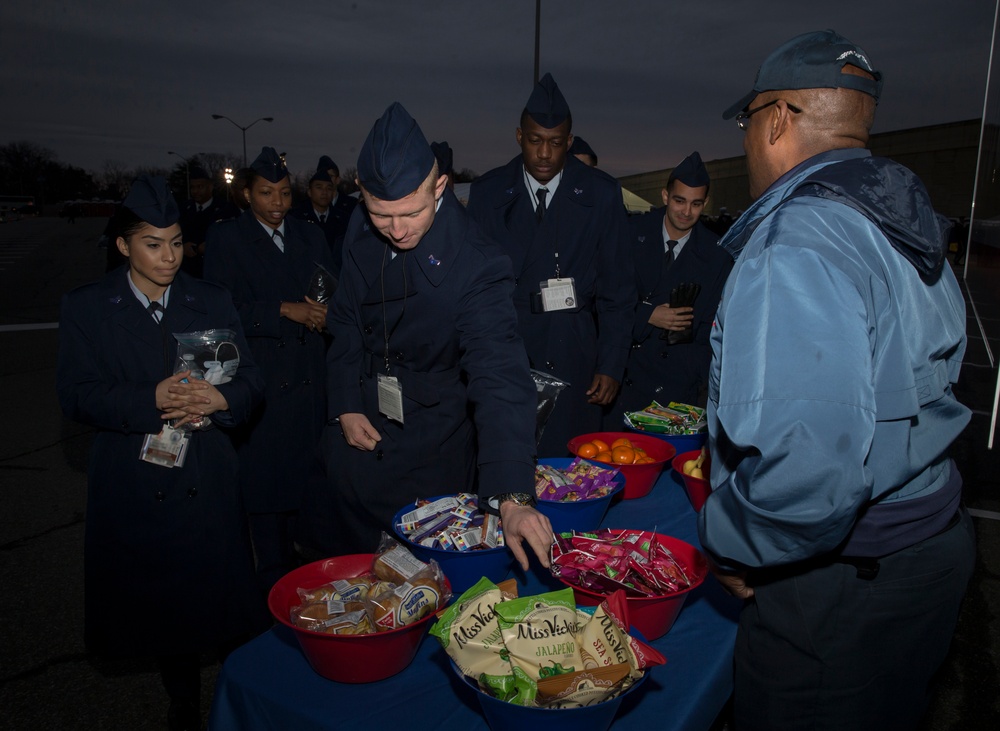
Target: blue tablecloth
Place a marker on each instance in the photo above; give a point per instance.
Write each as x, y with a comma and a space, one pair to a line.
267, 683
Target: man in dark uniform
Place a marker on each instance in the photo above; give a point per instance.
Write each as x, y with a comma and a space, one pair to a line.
428, 381
563, 225
670, 336
201, 211
328, 208
583, 152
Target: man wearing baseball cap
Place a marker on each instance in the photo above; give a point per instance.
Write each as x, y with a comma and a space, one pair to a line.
836, 511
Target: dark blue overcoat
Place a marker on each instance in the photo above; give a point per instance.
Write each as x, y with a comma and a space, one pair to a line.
335, 226
454, 346
585, 221
278, 448
656, 370
167, 556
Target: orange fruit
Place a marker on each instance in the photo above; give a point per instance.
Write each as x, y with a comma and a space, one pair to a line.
587, 450
621, 442
604, 456
644, 460
601, 445
640, 451
623, 455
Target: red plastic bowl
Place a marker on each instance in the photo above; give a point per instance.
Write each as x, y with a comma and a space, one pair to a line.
654, 616
639, 478
346, 658
697, 489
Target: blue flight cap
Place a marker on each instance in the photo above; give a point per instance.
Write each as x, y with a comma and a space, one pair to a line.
546, 105
395, 158
197, 172
444, 156
151, 200
269, 165
812, 61
691, 171
580, 147
326, 169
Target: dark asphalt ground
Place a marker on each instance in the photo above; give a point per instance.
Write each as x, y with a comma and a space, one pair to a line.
47, 681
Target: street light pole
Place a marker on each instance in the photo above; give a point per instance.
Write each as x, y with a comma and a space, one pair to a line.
243, 130
187, 171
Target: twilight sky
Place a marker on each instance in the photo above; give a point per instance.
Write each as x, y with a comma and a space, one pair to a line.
647, 80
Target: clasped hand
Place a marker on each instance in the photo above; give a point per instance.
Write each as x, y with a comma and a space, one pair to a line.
672, 318
188, 401
309, 313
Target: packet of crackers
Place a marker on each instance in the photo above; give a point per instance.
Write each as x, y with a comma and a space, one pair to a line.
451, 523
415, 588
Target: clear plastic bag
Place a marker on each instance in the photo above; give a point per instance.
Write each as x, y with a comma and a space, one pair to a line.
549, 387
211, 355
321, 285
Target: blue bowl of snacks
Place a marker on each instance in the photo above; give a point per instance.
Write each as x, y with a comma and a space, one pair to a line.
466, 542
575, 494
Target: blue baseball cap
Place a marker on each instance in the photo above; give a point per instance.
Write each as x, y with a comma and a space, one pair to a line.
812, 61
395, 158
151, 200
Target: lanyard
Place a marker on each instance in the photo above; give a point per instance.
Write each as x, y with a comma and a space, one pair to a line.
385, 324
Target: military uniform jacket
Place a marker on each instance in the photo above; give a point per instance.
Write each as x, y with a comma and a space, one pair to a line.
167, 558
454, 347
656, 369
279, 444
335, 226
194, 225
585, 222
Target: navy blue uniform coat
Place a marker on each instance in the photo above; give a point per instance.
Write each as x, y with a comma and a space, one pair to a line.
279, 446
195, 223
335, 226
657, 370
454, 347
585, 220
167, 556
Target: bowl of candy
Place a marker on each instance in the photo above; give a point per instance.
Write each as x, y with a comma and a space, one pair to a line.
639, 457
466, 542
504, 650
682, 425
356, 618
657, 573
694, 467
575, 494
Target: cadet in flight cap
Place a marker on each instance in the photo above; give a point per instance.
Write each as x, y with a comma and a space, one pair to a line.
547, 105
812, 61
395, 158
269, 165
580, 147
444, 156
691, 171
197, 172
323, 170
151, 200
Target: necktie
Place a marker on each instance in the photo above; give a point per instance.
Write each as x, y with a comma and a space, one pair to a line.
159, 314
278, 240
668, 258
322, 218
540, 209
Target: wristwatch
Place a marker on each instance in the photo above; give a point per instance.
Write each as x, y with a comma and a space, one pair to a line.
518, 498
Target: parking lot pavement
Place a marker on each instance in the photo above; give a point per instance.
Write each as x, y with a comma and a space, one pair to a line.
46, 678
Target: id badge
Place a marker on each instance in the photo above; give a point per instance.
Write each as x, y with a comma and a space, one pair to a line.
558, 294
167, 449
390, 398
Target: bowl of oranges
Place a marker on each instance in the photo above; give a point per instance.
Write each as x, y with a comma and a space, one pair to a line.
639, 457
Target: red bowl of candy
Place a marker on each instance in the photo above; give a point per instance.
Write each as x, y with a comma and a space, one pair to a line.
639, 476
346, 658
698, 488
652, 616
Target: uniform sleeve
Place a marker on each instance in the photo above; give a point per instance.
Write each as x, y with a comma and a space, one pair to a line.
795, 413
87, 391
499, 382
616, 293
261, 319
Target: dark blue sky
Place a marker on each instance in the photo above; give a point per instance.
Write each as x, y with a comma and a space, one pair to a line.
647, 80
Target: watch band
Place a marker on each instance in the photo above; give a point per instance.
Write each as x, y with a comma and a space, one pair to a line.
518, 498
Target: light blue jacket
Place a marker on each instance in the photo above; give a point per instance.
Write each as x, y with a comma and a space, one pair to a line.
838, 337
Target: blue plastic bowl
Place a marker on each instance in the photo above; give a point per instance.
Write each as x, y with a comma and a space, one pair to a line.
463, 568
582, 515
502, 716
681, 442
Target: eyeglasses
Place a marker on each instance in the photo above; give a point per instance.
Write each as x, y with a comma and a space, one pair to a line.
742, 117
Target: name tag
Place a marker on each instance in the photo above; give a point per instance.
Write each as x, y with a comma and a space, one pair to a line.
167, 449
558, 294
390, 398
